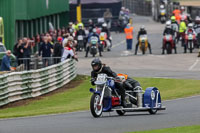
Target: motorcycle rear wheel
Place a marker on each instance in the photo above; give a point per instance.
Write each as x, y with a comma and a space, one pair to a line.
95, 108
169, 48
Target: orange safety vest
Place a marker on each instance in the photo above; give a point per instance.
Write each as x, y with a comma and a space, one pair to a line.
176, 12
124, 75
129, 32
178, 18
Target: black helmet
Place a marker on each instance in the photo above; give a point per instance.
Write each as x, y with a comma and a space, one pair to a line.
96, 62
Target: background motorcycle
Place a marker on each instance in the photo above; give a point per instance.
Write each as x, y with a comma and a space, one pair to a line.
168, 43
93, 45
163, 17
80, 40
105, 43
143, 43
190, 38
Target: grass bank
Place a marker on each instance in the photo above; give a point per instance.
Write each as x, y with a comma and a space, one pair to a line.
75, 99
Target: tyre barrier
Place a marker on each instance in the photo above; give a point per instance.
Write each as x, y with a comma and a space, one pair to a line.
29, 84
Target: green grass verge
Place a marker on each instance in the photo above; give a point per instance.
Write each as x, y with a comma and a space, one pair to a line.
78, 98
185, 129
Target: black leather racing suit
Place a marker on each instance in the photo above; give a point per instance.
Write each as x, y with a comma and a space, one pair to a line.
110, 73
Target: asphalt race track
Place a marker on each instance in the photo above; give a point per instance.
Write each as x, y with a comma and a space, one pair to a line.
179, 112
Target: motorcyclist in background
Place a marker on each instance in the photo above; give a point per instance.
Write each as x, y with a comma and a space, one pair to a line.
80, 32
142, 32
91, 25
107, 31
98, 68
71, 28
190, 29
175, 27
197, 30
89, 45
173, 20
121, 13
185, 15
169, 31
182, 29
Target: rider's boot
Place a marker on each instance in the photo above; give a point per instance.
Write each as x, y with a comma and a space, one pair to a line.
87, 50
136, 48
149, 45
199, 53
163, 51
175, 50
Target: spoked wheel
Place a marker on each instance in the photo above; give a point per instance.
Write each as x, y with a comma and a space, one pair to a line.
152, 111
95, 108
120, 112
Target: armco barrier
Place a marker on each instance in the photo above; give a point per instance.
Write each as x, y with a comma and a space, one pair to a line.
28, 84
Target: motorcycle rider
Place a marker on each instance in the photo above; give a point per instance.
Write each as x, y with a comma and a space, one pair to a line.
174, 22
168, 31
142, 32
185, 15
107, 31
89, 45
190, 29
182, 29
197, 30
71, 28
98, 68
81, 32
91, 25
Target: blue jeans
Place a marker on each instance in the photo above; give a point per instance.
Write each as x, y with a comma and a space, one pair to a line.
129, 44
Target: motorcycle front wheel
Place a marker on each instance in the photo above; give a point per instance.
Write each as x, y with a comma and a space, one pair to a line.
95, 108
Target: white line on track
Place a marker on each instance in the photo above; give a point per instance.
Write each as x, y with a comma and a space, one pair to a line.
119, 44
193, 66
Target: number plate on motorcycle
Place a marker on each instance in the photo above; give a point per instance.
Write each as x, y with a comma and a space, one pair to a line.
101, 79
190, 37
80, 37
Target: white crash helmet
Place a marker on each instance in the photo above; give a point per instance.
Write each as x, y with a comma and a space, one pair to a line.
94, 30
182, 8
104, 25
90, 21
70, 23
123, 8
190, 25
142, 27
168, 24
162, 6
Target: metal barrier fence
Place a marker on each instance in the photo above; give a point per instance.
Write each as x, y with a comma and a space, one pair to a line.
28, 84
35, 63
139, 7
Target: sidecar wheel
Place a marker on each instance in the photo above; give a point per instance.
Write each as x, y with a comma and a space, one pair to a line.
152, 111
95, 108
120, 112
